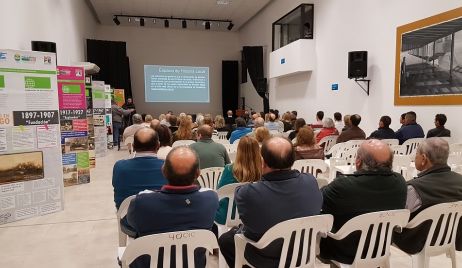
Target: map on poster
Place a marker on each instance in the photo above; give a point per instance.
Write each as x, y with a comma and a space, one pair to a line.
31, 181
73, 123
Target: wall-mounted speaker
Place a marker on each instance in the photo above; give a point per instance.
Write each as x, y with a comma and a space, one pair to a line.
357, 64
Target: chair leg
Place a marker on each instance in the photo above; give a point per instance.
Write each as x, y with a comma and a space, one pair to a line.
221, 261
420, 261
452, 255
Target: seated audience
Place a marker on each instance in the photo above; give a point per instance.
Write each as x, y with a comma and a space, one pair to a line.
172, 123
306, 146
410, 130
347, 122
319, 118
262, 134
211, 154
240, 131
164, 119
142, 172
258, 122
220, 124
439, 130
300, 122
279, 122
272, 125
184, 131
147, 120
328, 129
384, 131
287, 121
402, 120
178, 206
154, 123
137, 124
373, 187
435, 184
339, 125
282, 194
246, 168
354, 132
229, 119
165, 140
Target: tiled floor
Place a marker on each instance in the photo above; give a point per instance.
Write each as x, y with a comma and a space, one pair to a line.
85, 233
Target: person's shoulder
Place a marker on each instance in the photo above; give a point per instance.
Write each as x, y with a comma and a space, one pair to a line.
208, 193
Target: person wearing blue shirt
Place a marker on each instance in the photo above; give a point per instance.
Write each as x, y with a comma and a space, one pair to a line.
241, 130
411, 129
142, 172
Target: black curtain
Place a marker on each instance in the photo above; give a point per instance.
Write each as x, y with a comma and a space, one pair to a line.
111, 57
229, 85
253, 58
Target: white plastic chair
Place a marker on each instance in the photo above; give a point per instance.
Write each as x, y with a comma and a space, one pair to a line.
402, 165
227, 191
455, 149
337, 149
350, 155
312, 166
328, 142
306, 232
122, 212
231, 148
386, 221
232, 156
221, 141
129, 142
411, 145
222, 135
182, 143
151, 244
209, 177
398, 149
391, 142
450, 214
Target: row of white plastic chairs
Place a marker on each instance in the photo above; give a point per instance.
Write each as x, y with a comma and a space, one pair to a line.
307, 230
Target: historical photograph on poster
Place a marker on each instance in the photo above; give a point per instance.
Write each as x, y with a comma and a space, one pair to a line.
70, 175
429, 61
75, 144
21, 167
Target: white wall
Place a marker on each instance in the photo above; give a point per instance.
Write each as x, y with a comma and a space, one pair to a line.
174, 47
66, 22
341, 26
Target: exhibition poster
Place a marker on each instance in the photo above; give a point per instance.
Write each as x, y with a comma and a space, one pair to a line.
31, 172
91, 129
99, 117
74, 126
119, 97
108, 116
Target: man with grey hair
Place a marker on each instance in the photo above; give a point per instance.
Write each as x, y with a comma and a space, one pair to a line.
373, 187
258, 122
410, 129
137, 124
435, 184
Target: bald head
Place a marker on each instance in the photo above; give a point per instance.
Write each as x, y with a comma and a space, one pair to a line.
259, 122
181, 166
278, 153
154, 123
145, 140
374, 154
205, 132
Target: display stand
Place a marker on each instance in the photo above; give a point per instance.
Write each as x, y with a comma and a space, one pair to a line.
91, 129
99, 115
74, 127
31, 172
108, 115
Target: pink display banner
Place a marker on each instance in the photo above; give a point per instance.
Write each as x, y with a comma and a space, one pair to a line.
71, 87
71, 73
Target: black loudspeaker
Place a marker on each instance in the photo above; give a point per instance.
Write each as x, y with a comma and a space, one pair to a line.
43, 46
262, 85
357, 64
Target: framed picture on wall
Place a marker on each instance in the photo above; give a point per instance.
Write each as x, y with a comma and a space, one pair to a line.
428, 66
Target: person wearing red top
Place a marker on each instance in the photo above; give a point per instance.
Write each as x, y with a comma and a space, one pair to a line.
328, 128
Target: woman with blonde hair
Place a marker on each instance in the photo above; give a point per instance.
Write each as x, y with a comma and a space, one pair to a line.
184, 131
220, 123
246, 168
261, 134
306, 147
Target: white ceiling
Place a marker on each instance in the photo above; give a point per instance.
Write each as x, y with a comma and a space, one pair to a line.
238, 11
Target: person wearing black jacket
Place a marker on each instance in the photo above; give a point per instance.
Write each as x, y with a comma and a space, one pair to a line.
384, 131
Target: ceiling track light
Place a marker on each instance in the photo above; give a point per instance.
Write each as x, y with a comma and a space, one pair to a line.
184, 24
207, 25
166, 23
116, 20
230, 26
154, 21
142, 22
129, 20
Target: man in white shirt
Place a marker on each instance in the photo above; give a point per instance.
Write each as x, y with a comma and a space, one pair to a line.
339, 125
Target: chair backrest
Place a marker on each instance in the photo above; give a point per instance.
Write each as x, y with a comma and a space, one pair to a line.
122, 212
455, 149
182, 143
227, 191
209, 177
305, 231
312, 166
379, 226
411, 145
439, 240
174, 241
402, 165
391, 142
222, 135
328, 142
398, 149
231, 147
350, 155
337, 150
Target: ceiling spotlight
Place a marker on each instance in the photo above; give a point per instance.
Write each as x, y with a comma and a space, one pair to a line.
129, 20
116, 20
230, 26
154, 21
141, 22
207, 25
166, 23
184, 24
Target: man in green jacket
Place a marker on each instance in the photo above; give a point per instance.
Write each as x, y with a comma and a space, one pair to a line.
211, 154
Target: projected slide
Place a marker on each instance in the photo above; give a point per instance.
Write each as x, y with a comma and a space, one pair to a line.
176, 83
